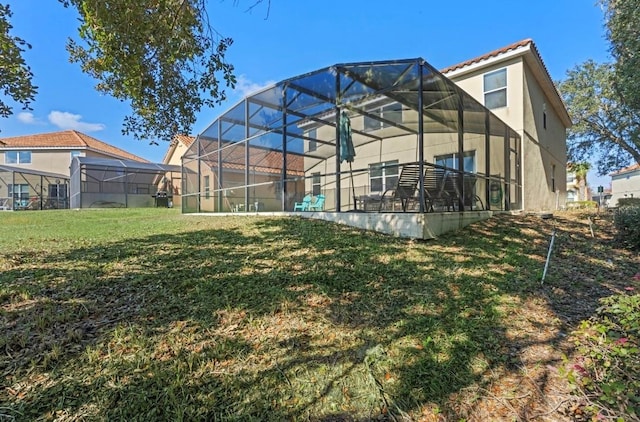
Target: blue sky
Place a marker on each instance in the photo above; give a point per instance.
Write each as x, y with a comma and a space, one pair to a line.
299, 36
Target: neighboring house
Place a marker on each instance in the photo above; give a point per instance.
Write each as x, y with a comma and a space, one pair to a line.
177, 148
264, 170
625, 183
52, 152
577, 190
573, 187
263, 188
36, 168
514, 83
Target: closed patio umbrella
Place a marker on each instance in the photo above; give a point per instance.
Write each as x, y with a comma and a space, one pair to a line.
347, 151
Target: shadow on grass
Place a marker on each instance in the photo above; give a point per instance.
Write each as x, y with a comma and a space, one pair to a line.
278, 319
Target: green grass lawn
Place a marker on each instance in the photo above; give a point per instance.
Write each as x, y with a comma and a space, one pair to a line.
147, 314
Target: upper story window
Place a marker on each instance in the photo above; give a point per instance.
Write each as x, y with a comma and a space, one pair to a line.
391, 112
495, 89
17, 157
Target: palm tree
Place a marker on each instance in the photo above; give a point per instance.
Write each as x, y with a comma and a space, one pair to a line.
581, 170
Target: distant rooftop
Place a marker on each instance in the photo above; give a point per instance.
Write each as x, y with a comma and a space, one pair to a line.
66, 139
626, 170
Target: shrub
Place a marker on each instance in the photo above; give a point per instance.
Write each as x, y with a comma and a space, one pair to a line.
608, 367
627, 222
631, 202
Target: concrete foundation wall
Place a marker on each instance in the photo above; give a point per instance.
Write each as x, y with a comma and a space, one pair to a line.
405, 225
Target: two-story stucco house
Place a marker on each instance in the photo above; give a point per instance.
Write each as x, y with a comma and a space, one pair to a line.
52, 152
514, 83
496, 121
35, 169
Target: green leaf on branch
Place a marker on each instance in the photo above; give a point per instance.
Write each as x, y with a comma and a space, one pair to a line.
15, 76
162, 56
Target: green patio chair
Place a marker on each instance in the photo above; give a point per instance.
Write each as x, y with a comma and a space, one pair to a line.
304, 205
318, 205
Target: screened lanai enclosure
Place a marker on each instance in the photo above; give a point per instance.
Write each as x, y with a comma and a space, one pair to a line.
25, 189
111, 183
393, 136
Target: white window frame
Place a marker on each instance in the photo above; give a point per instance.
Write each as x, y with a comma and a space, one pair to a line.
438, 160
388, 177
21, 194
495, 90
18, 157
388, 112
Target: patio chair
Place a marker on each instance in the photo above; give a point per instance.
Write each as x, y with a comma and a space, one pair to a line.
318, 205
5, 203
304, 205
471, 199
440, 190
405, 189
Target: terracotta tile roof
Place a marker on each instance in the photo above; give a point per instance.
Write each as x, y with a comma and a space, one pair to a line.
263, 161
68, 139
626, 169
491, 54
186, 140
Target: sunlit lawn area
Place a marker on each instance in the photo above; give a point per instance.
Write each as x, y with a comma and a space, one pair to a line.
153, 315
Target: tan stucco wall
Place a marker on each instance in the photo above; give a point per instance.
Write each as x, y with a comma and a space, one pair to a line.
542, 149
176, 159
178, 152
263, 189
512, 114
53, 161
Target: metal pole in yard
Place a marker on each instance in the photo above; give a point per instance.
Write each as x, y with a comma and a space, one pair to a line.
546, 265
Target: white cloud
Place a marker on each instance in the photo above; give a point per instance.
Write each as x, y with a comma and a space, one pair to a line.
244, 86
28, 118
66, 120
